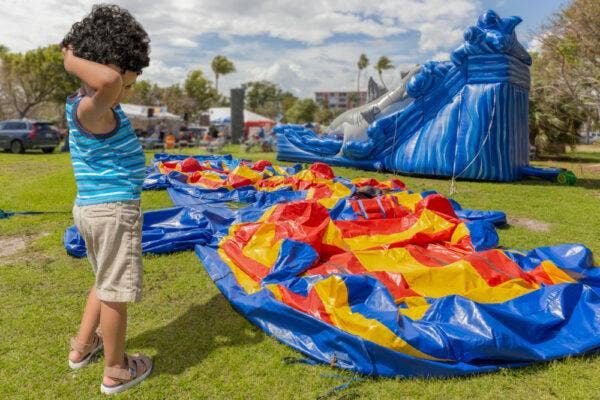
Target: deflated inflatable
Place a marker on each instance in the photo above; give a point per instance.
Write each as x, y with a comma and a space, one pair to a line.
465, 118
193, 182
415, 293
368, 276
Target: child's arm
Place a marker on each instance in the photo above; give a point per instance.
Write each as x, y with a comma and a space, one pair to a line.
105, 81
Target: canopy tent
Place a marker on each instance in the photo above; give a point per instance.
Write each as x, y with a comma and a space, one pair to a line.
138, 115
222, 115
141, 111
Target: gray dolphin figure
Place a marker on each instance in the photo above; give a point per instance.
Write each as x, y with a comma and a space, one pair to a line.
359, 118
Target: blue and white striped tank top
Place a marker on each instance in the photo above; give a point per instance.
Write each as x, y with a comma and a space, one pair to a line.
108, 167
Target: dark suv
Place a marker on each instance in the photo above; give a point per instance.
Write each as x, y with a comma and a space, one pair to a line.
18, 135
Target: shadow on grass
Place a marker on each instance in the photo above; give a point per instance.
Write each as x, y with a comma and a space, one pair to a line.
187, 340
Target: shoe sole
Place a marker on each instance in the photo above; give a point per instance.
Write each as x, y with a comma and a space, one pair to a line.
123, 387
86, 360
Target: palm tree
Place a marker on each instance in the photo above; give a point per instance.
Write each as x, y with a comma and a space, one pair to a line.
383, 64
221, 65
363, 62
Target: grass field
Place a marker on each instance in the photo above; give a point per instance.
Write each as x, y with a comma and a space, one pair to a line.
201, 347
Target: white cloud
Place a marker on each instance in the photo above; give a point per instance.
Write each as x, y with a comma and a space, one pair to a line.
441, 56
164, 74
407, 31
183, 42
285, 72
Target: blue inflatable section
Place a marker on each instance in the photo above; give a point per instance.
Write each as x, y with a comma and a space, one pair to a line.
465, 118
169, 230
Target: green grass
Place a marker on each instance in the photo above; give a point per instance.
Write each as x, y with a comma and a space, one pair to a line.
201, 347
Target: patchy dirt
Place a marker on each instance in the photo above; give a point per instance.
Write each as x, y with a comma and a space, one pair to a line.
530, 224
11, 245
594, 168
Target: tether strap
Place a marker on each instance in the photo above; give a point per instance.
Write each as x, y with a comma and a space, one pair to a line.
342, 387
298, 360
331, 392
8, 214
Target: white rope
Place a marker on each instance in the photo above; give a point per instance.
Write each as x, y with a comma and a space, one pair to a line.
453, 188
394, 141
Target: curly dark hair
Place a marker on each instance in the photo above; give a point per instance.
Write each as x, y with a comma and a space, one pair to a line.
110, 35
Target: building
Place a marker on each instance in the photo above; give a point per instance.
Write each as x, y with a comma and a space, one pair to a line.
341, 101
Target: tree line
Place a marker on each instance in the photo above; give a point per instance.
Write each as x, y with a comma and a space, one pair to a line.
565, 95
35, 84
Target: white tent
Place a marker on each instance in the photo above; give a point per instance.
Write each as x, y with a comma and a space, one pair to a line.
222, 115
138, 115
139, 111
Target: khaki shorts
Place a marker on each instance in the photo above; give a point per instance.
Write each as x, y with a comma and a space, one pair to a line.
113, 238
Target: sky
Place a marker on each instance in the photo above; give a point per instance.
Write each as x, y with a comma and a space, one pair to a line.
302, 45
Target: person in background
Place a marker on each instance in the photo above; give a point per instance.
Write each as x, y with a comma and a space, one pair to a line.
214, 132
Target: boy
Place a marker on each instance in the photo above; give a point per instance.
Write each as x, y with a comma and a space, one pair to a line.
107, 50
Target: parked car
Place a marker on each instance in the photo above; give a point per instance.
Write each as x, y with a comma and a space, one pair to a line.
18, 135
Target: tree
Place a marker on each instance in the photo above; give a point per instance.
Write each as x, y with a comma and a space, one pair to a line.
200, 90
146, 93
4, 102
565, 76
383, 64
288, 100
363, 62
173, 97
221, 65
324, 115
176, 100
263, 97
33, 78
267, 98
303, 111
354, 99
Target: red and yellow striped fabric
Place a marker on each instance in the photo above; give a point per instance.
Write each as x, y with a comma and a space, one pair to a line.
422, 251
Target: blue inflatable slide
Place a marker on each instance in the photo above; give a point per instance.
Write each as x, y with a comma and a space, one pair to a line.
466, 118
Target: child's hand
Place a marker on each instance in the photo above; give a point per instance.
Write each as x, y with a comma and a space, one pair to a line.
67, 51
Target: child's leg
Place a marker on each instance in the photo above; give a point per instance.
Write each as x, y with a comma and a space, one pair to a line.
113, 318
89, 323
